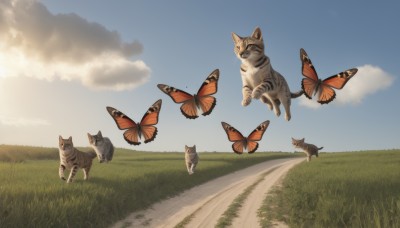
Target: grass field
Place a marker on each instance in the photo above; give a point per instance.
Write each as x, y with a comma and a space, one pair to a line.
357, 189
32, 195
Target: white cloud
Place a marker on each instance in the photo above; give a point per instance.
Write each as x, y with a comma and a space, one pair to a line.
22, 122
368, 80
36, 43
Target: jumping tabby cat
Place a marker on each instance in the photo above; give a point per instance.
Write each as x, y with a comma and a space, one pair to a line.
102, 146
71, 158
191, 158
260, 80
309, 149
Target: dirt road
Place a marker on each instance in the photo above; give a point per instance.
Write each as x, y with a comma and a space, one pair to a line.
207, 202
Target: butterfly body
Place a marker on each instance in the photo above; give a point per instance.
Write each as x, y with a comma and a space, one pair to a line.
323, 89
241, 143
191, 104
136, 130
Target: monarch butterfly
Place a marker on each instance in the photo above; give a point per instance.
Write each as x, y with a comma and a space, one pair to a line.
241, 143
312, 84
143, 128
191, 103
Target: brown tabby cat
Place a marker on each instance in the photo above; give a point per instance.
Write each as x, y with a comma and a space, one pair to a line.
309, 149
260, 80
73, 159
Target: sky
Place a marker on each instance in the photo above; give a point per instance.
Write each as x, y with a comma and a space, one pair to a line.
63, 62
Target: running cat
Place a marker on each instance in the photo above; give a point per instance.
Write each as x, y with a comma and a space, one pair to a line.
309, 149
102, 146
73, 159
191, 158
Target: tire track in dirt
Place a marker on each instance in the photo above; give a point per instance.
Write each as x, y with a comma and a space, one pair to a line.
207, 202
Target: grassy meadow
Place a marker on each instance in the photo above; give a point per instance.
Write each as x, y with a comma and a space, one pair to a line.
355, 189
32, 195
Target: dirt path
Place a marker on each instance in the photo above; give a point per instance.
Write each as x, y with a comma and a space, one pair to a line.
207, 202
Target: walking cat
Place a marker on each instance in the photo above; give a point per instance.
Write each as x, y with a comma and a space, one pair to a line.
102, 146
191, 158
309, 149
71, 158
260, 80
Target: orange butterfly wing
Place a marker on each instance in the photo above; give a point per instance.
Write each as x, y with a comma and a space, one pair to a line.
308, 86
256, 135
177, 95
209, 87
188, 108
124, 122
132, 136
310, 83
338, 81
235, 136
239, 146
149, 119
308, 69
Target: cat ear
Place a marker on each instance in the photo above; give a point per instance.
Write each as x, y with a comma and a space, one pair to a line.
89, 136
60, 138
70, 138
236, 38
194, 146
186, 147
99, 134
257, 34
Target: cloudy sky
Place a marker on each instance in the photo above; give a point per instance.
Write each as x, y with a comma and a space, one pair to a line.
63, 62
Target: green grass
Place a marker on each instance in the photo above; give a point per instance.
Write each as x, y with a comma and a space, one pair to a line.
357, 189
32, 195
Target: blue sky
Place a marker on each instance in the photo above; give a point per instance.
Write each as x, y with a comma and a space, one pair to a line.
63, 62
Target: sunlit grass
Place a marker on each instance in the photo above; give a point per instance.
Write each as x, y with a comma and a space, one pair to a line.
358, 189
32, 195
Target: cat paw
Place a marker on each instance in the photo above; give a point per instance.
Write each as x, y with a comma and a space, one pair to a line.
63, 178
277, 112
287, 117
267, 102
256, 94
246, 101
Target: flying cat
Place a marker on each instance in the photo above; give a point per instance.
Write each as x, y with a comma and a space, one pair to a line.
260, 80
73, 159
102, 146
309, 149
191, 158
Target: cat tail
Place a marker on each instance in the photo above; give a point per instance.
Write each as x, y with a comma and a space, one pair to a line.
321, 148
296, 94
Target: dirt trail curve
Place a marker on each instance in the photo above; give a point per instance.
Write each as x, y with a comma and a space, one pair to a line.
207, 202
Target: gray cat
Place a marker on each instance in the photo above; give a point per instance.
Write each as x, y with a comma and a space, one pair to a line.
309, 149
191, 158
102, 146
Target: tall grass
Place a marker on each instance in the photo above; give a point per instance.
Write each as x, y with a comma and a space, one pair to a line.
358, 189
32, 195
10, 153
